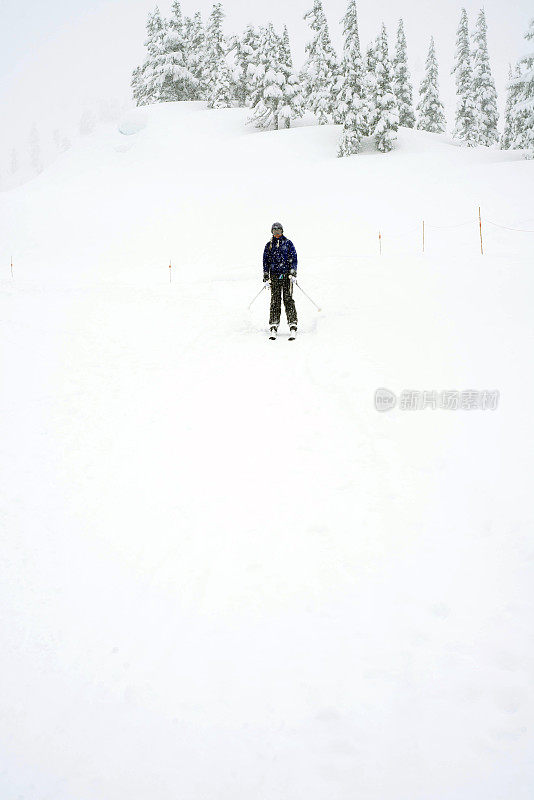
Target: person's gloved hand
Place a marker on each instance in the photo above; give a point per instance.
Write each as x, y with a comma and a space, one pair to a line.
293, 277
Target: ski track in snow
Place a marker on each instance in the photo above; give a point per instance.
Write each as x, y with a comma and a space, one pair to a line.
223, 573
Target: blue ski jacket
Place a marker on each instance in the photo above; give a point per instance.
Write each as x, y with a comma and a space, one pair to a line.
279, 258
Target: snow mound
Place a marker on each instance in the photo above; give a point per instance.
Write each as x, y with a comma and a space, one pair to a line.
134, 122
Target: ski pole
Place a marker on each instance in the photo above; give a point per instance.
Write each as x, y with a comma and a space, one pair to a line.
308, 296
261, 290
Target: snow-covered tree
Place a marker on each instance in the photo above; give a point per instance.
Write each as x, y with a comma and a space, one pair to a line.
321, 69
349, 105
36, 159
292, 103
238, 74
512, 122
215, 59
430, 116
507, 135
243, 51
387, 112
139, 90
195, 42
178, 81
483, 86
222, 94
147, 81
401, 82
524, 106
267, 98
285, 49
369, 90
247, 62
466, 121
351, 44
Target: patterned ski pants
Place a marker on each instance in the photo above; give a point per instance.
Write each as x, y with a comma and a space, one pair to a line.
279, 287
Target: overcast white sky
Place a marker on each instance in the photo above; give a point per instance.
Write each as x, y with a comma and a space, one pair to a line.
58, 56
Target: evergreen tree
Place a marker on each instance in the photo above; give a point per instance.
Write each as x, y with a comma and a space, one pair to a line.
138, 85
256, 71
484, 86
430, 116
512, 122
321, 68
292, 103
466, 122
187, 27
401, 81
178, 81
285, 49
245, 54
370, 117
187, 32
248, 60
387, 112
195, 38
350, 106
267, 99
222, 94
155, 67
147, 79
215, 54
524, 107
234, 51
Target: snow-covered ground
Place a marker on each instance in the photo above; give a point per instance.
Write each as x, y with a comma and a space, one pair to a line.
223, 573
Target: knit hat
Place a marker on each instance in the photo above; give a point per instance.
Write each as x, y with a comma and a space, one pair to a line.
276, 225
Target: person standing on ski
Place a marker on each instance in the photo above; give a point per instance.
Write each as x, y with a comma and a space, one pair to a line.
280, 273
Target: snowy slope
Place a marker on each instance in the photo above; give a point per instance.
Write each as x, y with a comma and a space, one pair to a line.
224, 574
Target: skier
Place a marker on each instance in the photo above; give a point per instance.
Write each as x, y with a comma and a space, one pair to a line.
280, 274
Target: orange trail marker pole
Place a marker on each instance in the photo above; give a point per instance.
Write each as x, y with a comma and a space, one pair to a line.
480, 226
380, 241
11, 267
170, 272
